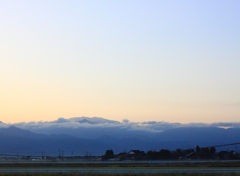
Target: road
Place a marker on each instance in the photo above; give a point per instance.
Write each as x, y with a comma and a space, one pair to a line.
124, 170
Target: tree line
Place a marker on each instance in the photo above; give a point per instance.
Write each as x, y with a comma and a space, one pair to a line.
164, 154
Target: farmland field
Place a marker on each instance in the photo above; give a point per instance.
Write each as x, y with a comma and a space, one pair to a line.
122, 165
164, 168
125, 174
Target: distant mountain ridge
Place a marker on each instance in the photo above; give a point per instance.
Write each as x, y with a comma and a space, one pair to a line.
86, 121
15, 140
201, 134
93, 120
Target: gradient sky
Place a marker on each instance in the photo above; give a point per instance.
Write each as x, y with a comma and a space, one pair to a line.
142, 60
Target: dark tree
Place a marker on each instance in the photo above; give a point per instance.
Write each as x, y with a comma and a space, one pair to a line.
205, 153
198, 149
212, 150
223, 155
179, 150
233, 155
176, 154
165, 154
108, 154
152, 155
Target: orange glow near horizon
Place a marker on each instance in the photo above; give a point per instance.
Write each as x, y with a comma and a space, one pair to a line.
159, 61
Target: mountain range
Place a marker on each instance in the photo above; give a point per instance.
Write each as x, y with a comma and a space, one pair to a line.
95, 139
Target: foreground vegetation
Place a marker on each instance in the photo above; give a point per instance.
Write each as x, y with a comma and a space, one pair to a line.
124, 165
128, 174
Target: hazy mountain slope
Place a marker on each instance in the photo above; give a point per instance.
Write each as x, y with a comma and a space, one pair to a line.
200, 134
16, 132
96, 132
14, 140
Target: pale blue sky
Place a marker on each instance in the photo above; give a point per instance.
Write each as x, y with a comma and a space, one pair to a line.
174, 61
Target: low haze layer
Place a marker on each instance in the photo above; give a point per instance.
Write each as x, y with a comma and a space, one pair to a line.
101, 123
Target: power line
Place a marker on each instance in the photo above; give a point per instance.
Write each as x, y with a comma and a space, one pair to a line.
221, 145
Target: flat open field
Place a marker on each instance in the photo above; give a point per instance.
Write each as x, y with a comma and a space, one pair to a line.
126, 174
122, 165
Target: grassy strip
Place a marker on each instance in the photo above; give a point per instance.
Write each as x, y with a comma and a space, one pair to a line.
99, 165
120, 168
122, 165
128, 174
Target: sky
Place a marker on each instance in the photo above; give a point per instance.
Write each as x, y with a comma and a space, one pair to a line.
142, 60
